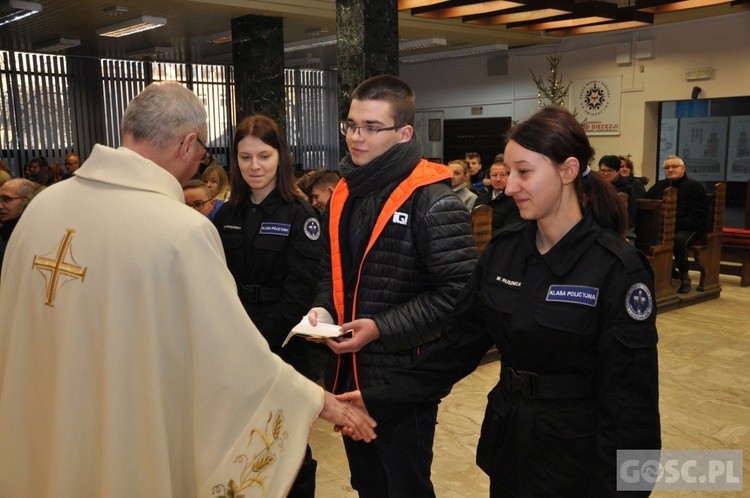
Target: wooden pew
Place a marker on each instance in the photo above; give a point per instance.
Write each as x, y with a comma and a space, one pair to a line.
481, 225
735, 247
654, 228
707, 249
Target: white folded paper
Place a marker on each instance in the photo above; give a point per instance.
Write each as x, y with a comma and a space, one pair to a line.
321, 330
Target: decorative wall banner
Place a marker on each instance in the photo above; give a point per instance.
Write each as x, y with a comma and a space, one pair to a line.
597, 100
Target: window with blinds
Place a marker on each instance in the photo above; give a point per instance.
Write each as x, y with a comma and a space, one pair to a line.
54, 105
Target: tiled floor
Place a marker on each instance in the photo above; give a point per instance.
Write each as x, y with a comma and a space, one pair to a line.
704, 354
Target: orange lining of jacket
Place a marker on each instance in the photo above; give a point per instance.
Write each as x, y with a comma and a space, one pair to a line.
424, 173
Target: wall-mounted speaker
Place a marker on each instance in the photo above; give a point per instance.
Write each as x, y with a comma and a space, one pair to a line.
696, 92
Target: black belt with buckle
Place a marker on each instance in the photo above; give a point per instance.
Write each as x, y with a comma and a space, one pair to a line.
258, 294
532, 385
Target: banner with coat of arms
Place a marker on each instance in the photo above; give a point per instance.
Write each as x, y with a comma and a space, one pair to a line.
597, 100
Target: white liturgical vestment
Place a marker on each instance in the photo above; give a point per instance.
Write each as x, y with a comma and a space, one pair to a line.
128, 366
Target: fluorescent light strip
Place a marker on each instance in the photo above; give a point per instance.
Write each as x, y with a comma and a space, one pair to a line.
20, 11
144, 53
310, 43
58, 45
131, 26
419, 44
451, 54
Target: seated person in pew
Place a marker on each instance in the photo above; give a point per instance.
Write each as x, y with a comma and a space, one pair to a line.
609, 167
692, 210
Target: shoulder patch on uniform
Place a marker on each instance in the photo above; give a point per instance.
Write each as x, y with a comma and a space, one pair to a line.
312, 228
638, 302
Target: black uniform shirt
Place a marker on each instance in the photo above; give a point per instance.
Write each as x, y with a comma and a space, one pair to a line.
275, 246
586, 308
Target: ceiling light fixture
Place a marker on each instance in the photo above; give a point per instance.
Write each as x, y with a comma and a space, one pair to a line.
149, 52
17, 10
132, 26
419, 44
451, 54
303, 63
446, 10
218, 38
627, 18
584, 13
310, 43
533, 10
57, 45
662, 6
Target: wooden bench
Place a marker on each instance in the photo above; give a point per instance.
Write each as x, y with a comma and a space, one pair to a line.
481, 225
735, 247
654, 229
706, 249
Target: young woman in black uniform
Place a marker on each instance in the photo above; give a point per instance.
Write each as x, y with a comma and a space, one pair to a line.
271, 241
569, 304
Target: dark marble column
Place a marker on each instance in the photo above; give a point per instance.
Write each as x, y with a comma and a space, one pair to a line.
258, 59
367, 33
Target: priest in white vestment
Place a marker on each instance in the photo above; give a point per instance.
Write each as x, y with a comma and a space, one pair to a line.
128, 366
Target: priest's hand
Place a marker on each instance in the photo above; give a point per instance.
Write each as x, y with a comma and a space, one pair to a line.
354, 398
349, 419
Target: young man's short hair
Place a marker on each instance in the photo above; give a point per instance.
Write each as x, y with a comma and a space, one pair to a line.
390, 89
325, 177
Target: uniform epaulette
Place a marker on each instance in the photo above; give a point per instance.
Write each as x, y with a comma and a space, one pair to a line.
626, 253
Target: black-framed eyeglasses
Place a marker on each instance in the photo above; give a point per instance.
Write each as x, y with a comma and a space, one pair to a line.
205, 149
199, 204
5, 199
366, 131
667, 167
608, 171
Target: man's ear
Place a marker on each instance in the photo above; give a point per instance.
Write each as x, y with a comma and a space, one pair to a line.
406, 133
569, 170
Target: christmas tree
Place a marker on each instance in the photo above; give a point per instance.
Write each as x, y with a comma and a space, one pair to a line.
553, 89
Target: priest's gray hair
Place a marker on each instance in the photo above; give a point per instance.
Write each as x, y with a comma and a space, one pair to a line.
164, 112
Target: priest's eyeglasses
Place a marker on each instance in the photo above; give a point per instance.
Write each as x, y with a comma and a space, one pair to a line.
366, 131
5, 199
199, 204
205, 150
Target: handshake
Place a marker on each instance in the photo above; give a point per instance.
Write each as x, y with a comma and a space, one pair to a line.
348, 414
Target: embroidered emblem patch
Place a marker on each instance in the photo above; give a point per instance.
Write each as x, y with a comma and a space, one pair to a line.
638, 302
401, 218
576, 294
58, 267
269, 228
312, 229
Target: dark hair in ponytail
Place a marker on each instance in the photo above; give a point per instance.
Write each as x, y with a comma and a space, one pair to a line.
555, 133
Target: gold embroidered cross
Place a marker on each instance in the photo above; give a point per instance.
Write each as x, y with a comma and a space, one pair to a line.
58, 267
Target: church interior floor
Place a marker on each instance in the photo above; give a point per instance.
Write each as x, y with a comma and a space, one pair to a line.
704, 363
